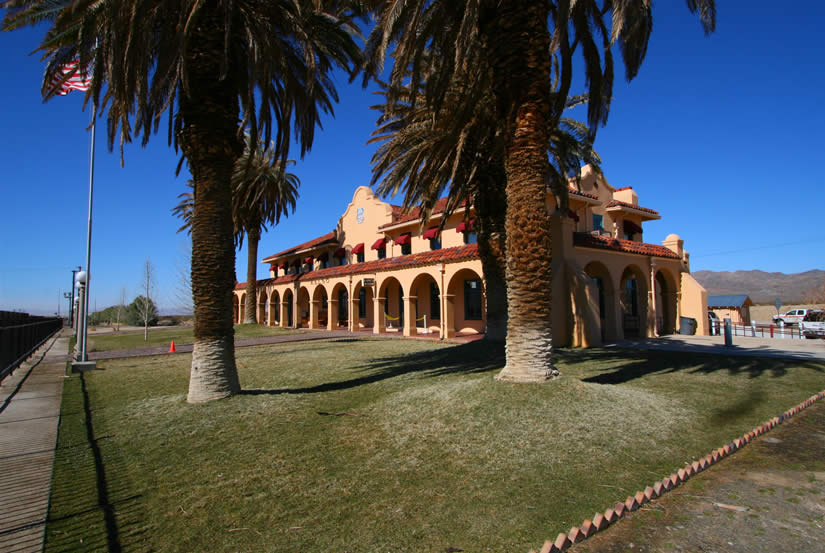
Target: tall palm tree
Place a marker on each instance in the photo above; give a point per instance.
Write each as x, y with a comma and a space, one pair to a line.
219, 67
460, 150
526, 44
262, 192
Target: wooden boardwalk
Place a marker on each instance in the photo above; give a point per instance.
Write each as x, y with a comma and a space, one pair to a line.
29, 416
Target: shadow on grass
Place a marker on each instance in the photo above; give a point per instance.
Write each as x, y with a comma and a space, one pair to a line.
640, 364
93, 507
470, 358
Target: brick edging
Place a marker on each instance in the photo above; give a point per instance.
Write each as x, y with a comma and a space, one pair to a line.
602, 520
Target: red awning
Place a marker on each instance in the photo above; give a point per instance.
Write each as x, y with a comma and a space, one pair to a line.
359, 248
324, 256
403, 239
573, 215
465, 227
340, 252
631, 227
284, 266
430, 233
309, 259
379, 244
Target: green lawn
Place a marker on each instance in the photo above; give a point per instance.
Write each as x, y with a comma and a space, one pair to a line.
164, 336
388, 445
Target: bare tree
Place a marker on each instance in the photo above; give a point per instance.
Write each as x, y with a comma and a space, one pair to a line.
145, 302
120, 307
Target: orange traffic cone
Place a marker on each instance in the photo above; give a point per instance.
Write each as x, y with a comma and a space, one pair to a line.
172, 347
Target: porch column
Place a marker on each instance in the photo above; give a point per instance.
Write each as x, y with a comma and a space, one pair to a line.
448, 316
282, 306
652, 307
409, 316
352, 316
378, 315
332, 314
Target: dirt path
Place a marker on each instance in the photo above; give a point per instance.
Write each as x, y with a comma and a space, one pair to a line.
769, 496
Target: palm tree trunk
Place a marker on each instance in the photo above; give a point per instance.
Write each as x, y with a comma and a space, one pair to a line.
210, 143
491, 212
518, 42
252, 239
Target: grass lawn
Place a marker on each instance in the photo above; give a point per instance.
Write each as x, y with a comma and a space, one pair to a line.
388, 445
163, 336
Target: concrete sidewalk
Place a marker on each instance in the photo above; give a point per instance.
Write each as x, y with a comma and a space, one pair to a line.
29, 415
809, 350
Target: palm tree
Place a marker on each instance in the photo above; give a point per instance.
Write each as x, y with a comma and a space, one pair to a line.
219, 67
523, 56
461, 150
262, 192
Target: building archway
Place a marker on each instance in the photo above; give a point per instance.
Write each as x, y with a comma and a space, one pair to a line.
339, 307
427, 305
464, 304
391, 297
288, 309
242, 309
274, 309
302, 308
605, 300
236, 308
633, 297
363, 310
319, 314
665, 289
263, 304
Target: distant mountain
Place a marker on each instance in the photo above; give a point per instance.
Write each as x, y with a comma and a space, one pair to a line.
762, 287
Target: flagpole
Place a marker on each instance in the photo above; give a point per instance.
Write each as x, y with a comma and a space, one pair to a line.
89, 241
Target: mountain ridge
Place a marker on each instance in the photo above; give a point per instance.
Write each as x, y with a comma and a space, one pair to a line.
761, 286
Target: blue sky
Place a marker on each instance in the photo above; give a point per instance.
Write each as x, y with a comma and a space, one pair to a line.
723, 135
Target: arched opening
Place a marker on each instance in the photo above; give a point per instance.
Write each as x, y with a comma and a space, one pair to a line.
288, 309
338, 307
243, 309
464, 304
274, 309
302, 316
319, 316
605, 300
236, 308
263, 304
393, 300
427, 315
633, 293
363, 306
665, 289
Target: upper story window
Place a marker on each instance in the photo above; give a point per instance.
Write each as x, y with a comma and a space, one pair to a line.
324, 260
631, 230
405, 241
598, 222
341, 255
358, 252
431, 234
309, 262
468, 230
380, 246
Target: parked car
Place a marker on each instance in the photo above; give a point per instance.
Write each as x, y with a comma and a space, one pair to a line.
713, 323
813, 325
792, 317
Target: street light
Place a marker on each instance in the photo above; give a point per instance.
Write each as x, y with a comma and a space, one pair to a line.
82, 363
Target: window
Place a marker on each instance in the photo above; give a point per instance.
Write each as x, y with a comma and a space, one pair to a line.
343, 300
382, 252
360, 257
631, 297
598, 222
406, 249
362, 303
435, 302
435, 244
470, 237
472, 299
324, 262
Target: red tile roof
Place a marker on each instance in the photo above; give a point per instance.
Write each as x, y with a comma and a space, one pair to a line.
586, 240
414, 214
328, 238
617, 203
445, 255
623, 188
576, 192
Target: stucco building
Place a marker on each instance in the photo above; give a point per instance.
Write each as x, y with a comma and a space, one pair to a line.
379, 270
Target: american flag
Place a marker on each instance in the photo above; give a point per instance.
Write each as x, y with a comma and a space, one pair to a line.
79, 79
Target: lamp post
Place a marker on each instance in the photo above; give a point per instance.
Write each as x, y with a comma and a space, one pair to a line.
71, 305
82, 363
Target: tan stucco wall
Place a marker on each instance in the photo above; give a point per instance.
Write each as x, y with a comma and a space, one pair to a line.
695, 303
